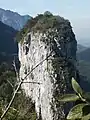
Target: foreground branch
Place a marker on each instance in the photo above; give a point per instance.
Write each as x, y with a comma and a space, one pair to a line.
14, 65
32, 82
10, 84
19, 85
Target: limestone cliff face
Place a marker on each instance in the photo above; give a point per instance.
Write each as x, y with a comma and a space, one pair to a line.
54, 74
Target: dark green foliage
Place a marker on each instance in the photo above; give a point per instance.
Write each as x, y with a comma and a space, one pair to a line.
62, 67
21, 34
80, 111
46, 21
47, 13
68, 97
5, 88
76, 112
7, 42
43, 22
22, 107
77, 88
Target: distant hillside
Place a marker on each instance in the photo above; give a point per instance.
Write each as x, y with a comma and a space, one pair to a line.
85, 41
7, 42
85, 83
84, 68
83, 58
80, 48
13, 19
84, 55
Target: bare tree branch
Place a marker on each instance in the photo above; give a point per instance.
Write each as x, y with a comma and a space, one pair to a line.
11, 101
19, 85
10, 84
17, 74
32, 82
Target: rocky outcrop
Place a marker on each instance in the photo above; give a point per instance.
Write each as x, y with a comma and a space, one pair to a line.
48, 35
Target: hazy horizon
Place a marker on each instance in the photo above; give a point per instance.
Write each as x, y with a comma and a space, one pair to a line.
77, 12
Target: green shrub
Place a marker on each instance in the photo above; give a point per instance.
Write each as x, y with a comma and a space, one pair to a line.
42, 23
80, 111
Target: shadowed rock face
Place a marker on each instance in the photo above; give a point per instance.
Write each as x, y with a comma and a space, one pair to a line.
55, 73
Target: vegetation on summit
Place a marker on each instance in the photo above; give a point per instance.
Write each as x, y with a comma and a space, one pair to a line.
42, 23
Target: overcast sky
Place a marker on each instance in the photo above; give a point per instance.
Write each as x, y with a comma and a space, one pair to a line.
77, 11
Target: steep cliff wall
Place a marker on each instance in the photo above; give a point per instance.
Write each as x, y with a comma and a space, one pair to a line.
47, 35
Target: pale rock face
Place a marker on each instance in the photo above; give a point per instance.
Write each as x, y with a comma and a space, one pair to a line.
32, 51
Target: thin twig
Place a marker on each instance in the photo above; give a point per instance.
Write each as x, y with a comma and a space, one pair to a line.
19, 85
32, 82
11, 101
14, 65
10, 84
